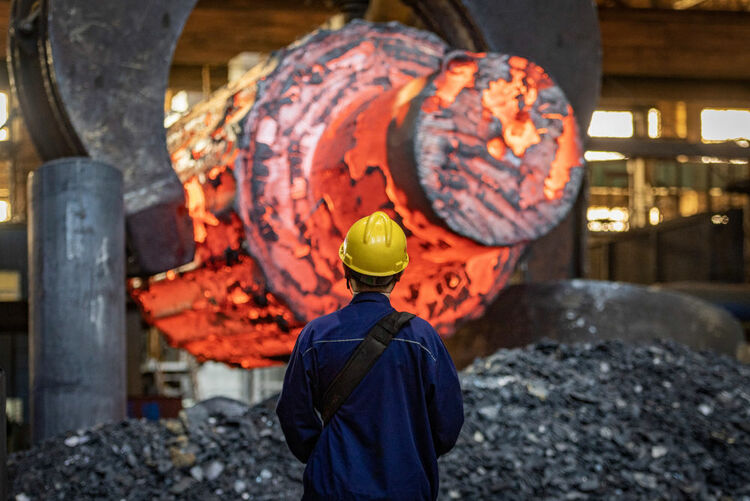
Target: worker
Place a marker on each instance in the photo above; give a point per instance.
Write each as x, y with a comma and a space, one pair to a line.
384, 440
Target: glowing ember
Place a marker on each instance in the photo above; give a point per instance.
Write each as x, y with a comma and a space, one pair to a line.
196, 202
484, 158
464, 150
458, 76
222, 312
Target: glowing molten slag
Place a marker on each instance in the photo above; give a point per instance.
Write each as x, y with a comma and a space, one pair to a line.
372, 117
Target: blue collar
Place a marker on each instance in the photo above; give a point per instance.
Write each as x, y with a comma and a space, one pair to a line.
376, 297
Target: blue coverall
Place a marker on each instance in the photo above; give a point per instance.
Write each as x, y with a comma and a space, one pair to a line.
384, 441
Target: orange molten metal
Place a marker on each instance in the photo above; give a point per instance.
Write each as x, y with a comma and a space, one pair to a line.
474, 154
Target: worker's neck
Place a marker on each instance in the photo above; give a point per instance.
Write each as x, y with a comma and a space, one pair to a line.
356, 290
386, 294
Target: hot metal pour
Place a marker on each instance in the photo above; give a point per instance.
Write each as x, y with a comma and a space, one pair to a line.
474, 154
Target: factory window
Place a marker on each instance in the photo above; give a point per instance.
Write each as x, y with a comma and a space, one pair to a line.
654, 216
5, 189
14, 410
680, 119
653, 123
4, 133
611, 124
602, 156
10, 285
178, 103
5, 171
725, 124
4, 210
602, 219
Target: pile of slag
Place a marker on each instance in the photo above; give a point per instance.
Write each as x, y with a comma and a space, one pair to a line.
550, 421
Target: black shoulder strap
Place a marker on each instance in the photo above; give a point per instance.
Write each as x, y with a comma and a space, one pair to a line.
361, 361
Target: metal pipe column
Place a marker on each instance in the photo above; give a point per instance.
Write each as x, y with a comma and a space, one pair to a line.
76, 296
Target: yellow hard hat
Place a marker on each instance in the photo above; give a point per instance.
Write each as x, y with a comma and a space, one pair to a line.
375, 246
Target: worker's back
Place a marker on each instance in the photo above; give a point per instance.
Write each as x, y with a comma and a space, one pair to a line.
384, 440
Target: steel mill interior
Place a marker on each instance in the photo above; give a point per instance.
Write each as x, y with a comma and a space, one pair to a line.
572, 178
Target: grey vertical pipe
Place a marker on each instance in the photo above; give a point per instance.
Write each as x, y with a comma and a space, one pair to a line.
3, 441
76, 295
